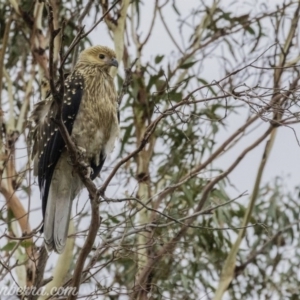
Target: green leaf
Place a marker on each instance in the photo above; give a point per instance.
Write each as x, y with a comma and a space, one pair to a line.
9, 246
229, 47
226, 16
187, 65
26, 243
176, 96
113, 219
158, 59
126, 137
209, 87
120, 81
188, 193
250, 30
259, 35
184, 281
160, 85
175, 8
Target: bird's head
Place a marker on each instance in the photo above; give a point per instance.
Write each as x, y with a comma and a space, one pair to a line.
100, 56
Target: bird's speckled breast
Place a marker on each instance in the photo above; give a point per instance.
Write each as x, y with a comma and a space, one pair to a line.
96, 125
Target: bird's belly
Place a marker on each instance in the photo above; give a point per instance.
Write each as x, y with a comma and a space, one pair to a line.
94, 140
96, 144
96, 125
91, 140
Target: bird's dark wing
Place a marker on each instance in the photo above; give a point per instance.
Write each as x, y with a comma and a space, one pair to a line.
48, 143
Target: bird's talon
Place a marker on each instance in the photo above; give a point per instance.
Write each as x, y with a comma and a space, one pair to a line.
81, 151
89, 172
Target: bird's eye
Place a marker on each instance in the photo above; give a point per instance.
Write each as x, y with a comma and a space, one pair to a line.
101, 56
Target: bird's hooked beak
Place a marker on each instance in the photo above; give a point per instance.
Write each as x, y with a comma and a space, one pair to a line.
114, 62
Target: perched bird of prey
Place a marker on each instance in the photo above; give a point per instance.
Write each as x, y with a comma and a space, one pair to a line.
90, 114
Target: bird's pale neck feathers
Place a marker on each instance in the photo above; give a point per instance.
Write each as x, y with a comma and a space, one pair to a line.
97, 81
89, 69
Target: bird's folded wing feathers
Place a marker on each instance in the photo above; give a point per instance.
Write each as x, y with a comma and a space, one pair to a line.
48, 142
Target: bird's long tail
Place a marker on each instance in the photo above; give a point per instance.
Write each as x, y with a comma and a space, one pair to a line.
63, 189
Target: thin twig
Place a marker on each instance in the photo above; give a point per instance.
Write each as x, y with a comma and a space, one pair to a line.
126, 82
2, 52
